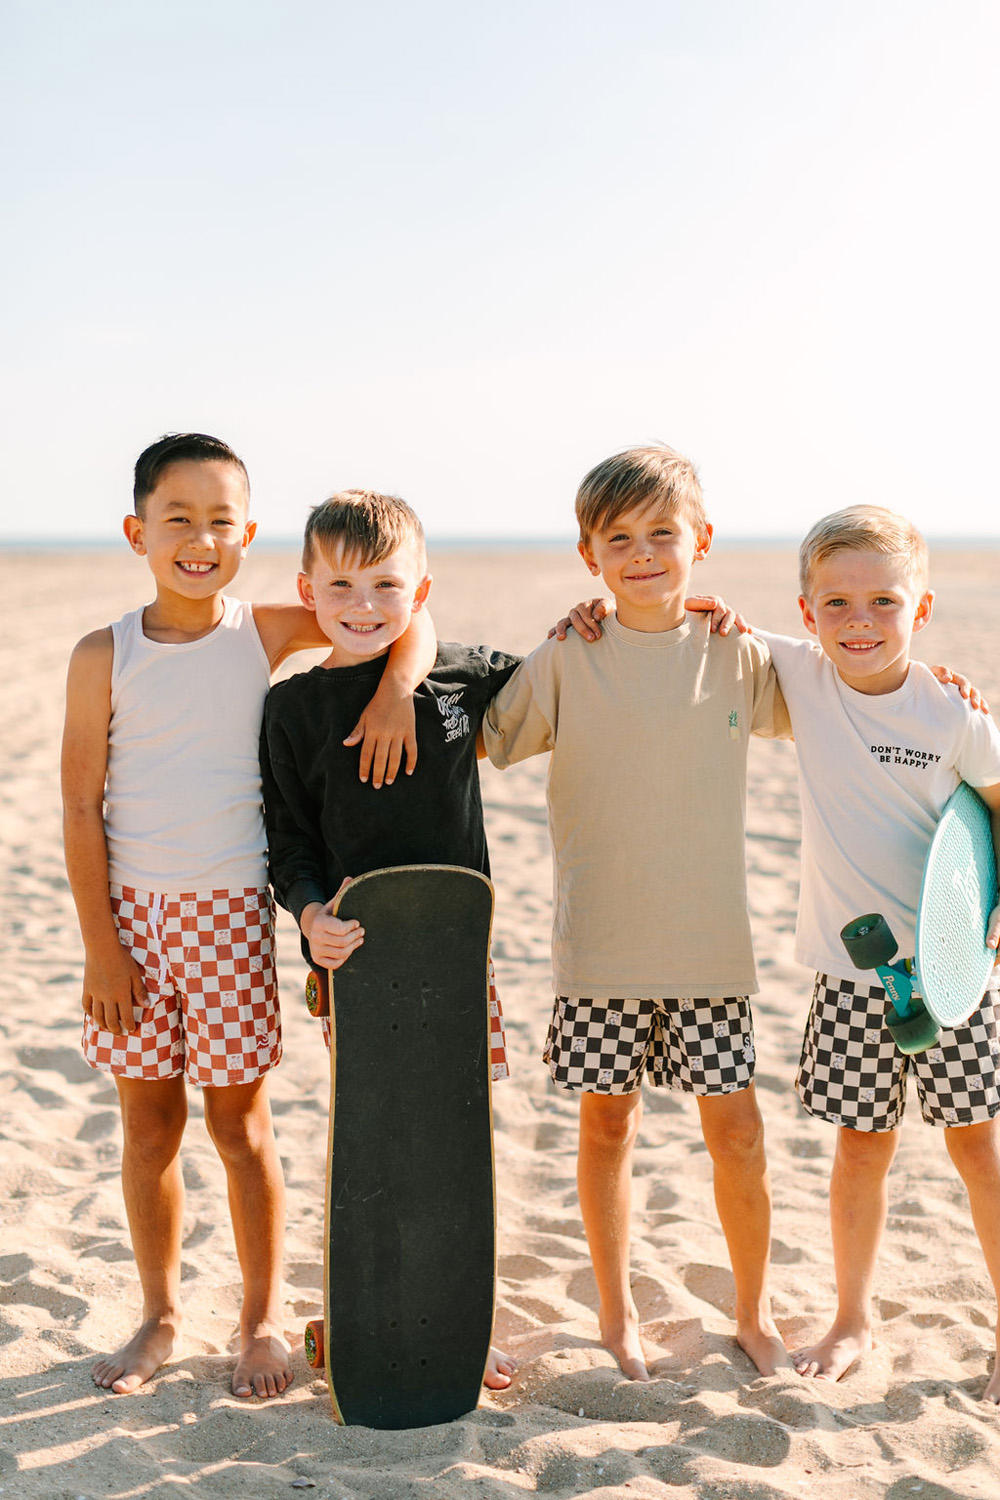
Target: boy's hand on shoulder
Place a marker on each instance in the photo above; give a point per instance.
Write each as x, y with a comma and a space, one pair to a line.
331, 941
967, 689
723, 618
386, 732
113, 990
585, 618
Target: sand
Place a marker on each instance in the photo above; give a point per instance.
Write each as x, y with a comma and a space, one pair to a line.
906, 1422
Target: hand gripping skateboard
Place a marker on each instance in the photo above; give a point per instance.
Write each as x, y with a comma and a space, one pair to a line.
409, 1262
944, 983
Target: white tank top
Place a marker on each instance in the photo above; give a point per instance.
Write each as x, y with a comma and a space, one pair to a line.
183, 797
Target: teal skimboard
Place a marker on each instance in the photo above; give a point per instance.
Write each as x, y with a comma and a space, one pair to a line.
944, 982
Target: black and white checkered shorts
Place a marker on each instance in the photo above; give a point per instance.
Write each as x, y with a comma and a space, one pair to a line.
852, 1073
605, 1046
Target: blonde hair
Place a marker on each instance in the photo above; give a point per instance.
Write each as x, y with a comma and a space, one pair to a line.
865, 528
639, 477
367, 525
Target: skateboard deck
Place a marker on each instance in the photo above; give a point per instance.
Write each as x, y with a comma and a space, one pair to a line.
944, 983
410, 1262
958, 893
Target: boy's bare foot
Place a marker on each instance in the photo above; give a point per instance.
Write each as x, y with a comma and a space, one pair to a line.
500, 1370
626, 1346
263, 1368
834, 1355
763, 1344
992, 1391
132, 1365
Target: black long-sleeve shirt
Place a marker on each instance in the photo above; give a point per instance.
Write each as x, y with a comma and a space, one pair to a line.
324, 823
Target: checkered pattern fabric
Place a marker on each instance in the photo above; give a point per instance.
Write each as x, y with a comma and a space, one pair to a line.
498, 1036
208, 966
852, 1073
604, 1046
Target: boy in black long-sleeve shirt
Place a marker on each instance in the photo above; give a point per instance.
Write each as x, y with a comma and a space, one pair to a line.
364, 574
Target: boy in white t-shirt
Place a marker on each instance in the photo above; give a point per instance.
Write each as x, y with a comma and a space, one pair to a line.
881, 746
165, 851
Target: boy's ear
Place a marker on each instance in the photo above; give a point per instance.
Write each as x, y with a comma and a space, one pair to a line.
304, 585
423, 589
249, 532
807, 614
924, 608
588, 558
703, 542
132, 528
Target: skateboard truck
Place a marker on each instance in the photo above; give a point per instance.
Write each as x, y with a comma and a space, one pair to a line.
871, 945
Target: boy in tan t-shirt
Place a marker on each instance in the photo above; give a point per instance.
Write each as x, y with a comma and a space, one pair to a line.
652, 957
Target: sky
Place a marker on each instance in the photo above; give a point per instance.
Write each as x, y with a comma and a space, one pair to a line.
462, 252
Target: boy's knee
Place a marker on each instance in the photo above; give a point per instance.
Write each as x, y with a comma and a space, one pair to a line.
732, 1126
610, 1121
153, 1117
975, 1149
866, 1150
238, 1123
742, 1141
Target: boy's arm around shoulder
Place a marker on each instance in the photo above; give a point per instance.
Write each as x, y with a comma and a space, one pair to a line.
770, 714
522, 718
112, 980
386, 729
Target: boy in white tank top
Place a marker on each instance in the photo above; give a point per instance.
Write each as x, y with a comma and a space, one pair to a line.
165, 851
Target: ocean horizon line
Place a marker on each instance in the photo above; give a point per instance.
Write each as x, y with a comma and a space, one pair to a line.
779, 542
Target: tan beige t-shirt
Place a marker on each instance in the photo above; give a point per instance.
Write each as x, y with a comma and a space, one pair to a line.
646, 795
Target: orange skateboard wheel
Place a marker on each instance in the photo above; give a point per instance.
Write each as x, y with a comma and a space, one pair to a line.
314, 1342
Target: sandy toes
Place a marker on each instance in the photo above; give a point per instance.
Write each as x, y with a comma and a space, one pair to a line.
500, 1370
833, 1356
765, 1347
132, 1365
263, 1367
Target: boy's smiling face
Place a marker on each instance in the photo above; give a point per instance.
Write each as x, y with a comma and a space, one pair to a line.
194, 530
362, 608
863, 607
645, 558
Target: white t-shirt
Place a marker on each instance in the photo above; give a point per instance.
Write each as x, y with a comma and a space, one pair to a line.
875, 771
647, 794
183, 809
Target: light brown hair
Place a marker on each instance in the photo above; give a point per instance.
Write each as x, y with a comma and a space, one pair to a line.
639, 477
865, 528
366, 525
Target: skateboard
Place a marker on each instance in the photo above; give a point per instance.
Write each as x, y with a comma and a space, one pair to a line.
409, 1252
944, 982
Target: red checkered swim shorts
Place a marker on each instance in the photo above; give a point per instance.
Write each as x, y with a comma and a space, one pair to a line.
207, 963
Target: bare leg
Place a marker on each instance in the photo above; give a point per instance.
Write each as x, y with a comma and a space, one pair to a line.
734, 1135
608, 1127
858, 1204
154, 1113
975, 1150
239, 1122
